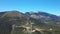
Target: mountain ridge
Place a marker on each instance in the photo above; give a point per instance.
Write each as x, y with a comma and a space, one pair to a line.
7, 19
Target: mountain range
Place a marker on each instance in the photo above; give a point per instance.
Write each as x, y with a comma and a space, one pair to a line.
44, 23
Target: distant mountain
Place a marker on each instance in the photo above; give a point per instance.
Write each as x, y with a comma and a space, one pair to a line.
43, 23
42, 14
44, 17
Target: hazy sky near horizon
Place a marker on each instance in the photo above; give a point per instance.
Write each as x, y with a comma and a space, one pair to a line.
49, 6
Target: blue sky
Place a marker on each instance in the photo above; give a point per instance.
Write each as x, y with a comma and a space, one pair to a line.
49, 6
